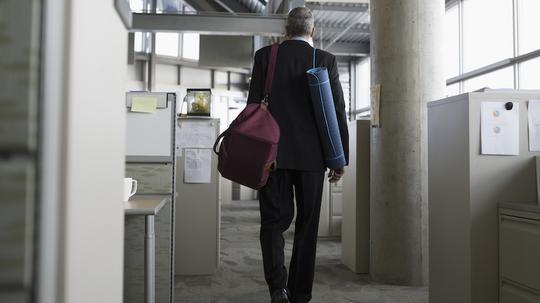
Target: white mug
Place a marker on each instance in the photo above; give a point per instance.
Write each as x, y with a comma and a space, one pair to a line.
130, 188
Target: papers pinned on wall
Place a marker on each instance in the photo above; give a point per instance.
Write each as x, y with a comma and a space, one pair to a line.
195, 134
534, 125
197, 165
500, 128
375, 105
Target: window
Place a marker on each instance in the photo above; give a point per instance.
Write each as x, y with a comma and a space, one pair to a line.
530, 74
452, 90
364, 84
452, 42
529, 23
139, 42
167, 44
491, 31
136, 5
487, 32
190, 46
503, 78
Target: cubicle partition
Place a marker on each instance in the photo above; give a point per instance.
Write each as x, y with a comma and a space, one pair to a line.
150, 160
355, 245
469, 173
197, 202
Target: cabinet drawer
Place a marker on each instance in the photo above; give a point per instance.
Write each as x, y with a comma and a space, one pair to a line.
514, 294
19, 72
16, 218
520, 248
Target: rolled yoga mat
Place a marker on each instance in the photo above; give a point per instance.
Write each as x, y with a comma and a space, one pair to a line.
325, 115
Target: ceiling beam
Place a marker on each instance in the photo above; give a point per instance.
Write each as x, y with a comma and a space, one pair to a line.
362, 29
202, 5
211, 24
338, 36
361, 8
348, 49
340, 1
233, 5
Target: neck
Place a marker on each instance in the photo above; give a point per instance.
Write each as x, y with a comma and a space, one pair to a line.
307, 38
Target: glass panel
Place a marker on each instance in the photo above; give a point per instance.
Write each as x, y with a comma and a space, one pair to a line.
138, 42
452, 42
503, 78
529, 23
364, 83
452, 90
167, 44
530, 74
190, 46
136, 5
169, 6
487, 32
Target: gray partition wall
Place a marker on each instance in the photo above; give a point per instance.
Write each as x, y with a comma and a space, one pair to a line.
464, 189
150, 160
20, 217
356, 199
197, 211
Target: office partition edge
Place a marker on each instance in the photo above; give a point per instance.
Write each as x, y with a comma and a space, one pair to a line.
53, 116
164, 160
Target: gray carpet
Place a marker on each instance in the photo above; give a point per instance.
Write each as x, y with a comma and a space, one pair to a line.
240, 276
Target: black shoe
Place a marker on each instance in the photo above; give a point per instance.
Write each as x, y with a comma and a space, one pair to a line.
280, 296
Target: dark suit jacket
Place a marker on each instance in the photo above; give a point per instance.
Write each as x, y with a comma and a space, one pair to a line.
290, 103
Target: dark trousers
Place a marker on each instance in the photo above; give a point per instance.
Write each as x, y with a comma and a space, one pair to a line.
276, 202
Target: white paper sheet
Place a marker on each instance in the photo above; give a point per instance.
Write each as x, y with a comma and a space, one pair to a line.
499, 128
195, 134
534, 125
197, 165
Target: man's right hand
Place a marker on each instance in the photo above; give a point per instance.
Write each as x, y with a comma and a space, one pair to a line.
335, 174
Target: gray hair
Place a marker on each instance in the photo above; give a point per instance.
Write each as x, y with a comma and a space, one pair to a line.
300, 22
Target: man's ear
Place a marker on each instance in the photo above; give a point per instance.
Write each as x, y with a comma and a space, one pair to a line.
312, 32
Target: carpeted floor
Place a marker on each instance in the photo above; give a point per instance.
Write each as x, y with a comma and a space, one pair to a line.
240, 276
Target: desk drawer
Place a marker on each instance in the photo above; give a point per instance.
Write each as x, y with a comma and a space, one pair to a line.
520, 248
514, 294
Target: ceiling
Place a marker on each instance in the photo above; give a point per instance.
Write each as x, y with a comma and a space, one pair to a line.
344, 23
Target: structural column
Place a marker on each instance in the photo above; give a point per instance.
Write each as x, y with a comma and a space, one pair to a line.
407, 61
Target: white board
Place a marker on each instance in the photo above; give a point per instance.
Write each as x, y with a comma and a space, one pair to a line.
150, 135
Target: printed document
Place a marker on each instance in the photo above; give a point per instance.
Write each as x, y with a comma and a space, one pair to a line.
200, 134
534, 125
499, 128
198, 165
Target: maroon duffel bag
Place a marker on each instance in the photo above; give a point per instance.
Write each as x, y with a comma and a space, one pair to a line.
248, 152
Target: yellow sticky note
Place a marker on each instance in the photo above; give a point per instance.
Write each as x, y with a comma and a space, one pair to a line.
144, 104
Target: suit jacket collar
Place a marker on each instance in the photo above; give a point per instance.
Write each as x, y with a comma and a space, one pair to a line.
298, 40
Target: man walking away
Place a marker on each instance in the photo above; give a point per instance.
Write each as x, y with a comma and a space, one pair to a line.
300, 161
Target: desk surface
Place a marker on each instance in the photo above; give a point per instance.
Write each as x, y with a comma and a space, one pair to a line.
521, 206
145, 205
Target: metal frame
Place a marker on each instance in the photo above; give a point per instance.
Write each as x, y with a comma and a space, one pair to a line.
328, 28
349, 49
187, 63
364, 7
215, 23
494, 67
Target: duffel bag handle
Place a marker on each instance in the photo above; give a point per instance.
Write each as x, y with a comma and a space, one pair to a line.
223, 134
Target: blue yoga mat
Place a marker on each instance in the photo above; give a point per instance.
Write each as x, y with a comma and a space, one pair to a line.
325, 116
